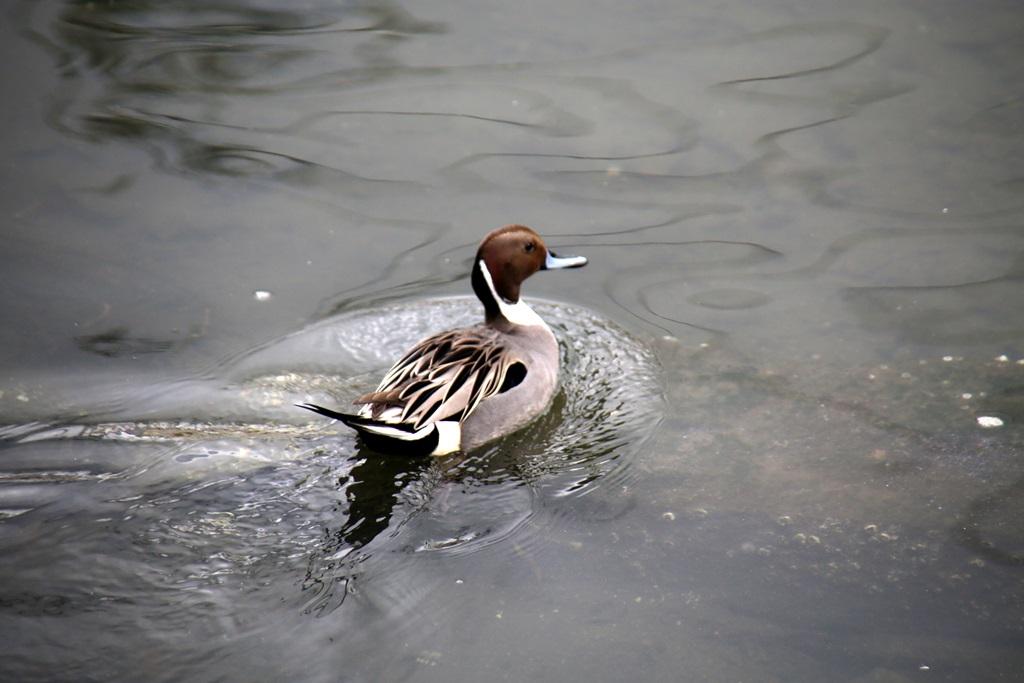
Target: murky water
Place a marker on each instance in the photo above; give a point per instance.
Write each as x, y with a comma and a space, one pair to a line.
788, 445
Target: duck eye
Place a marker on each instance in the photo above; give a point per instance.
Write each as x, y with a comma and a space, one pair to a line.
530, 246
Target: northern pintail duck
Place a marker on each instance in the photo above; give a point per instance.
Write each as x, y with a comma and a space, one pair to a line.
462, 388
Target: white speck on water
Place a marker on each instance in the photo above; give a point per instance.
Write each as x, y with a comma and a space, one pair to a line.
947, 359
459, 581
945, 209
924, 667
704, 345
670, 516
262, 295
967, 396
23, 398
989, 421
905, 375
871, 376
1003, 358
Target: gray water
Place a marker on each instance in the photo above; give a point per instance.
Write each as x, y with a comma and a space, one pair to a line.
789, 444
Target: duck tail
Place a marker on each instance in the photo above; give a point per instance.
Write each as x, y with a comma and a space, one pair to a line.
437, 438
354, 421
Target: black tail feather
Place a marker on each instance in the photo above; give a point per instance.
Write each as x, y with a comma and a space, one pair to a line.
353, 421
379, 442
348, 419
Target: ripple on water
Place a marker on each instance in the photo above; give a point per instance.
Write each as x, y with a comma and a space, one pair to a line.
504, 496
729, 299
227, 494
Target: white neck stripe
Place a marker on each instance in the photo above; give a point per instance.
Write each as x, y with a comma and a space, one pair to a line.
518, 312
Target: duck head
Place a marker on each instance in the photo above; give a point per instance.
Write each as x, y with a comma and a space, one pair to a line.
506, 257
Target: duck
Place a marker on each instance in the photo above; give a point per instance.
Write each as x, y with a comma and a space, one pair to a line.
460, 389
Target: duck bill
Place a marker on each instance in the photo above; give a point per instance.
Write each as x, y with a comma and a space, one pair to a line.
555, 262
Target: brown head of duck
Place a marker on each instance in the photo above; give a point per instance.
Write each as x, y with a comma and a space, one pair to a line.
506, 257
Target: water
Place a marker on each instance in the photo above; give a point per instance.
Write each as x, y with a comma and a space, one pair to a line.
769, 460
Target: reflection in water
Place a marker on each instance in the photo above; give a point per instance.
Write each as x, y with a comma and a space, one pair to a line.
871, 39
373, 488
117, 342
372, 492
142, 72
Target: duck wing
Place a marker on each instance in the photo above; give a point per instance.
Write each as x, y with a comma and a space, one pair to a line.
444, 377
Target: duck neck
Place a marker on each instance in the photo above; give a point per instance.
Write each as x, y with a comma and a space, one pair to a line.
498, 311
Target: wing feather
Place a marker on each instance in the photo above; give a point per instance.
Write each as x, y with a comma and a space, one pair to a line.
444, 377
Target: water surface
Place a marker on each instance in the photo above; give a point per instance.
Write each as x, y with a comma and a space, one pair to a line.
788, 445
